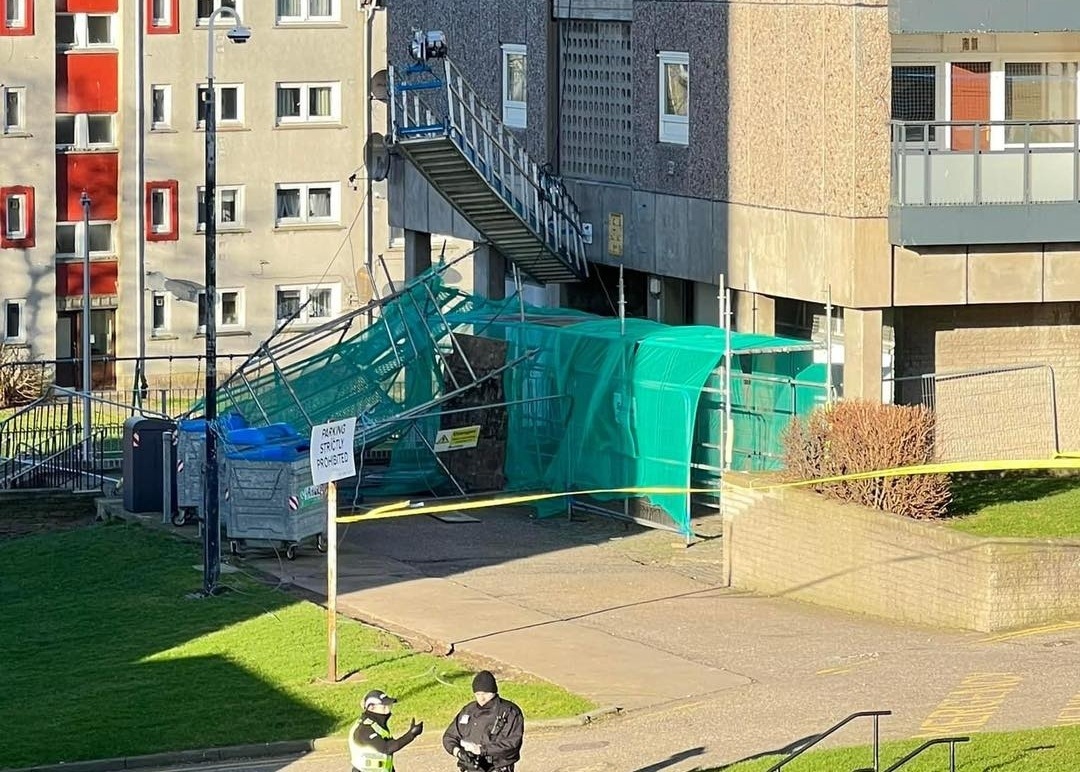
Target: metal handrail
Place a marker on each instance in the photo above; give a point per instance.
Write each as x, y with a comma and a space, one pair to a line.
952, 741
875, 714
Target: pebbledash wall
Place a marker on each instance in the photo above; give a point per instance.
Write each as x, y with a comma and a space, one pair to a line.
802, 545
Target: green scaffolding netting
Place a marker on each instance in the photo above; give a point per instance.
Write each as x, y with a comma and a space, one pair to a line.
591, 403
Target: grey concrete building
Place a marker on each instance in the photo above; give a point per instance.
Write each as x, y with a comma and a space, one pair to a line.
915, 163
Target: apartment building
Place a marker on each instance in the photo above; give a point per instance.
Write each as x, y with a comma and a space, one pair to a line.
107, 97
913, 164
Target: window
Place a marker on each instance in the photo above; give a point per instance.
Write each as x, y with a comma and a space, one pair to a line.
514, 91
84, 132
160, 107
229, 104
229, 205
71, 239
308, 103
206, 7
162, 210
294, 11
397, 237
230, 310
14, 109
85, 30
161, 13
159, 313
674, 97
914, 98
162, 17
312, 304
303, 203
17, 17
1040, 91
14, 315
17, 217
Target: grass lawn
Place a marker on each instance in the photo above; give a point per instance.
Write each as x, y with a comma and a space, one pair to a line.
102, 656
1016, 505
1041, 750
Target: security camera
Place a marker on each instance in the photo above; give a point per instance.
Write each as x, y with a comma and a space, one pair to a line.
428, 45
239, 34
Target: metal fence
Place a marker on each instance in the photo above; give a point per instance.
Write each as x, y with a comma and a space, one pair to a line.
1004, 413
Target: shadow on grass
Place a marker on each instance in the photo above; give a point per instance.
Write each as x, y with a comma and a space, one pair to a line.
972, 493
98, 657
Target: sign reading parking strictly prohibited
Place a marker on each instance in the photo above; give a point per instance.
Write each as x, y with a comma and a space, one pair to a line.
332, 451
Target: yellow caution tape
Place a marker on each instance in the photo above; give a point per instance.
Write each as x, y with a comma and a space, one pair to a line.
409, 508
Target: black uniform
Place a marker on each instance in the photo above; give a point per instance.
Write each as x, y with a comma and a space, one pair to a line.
498, 728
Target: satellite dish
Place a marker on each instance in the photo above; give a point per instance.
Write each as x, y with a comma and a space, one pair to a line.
377, 158
380, 86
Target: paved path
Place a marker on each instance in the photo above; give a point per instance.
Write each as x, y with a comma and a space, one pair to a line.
706, 675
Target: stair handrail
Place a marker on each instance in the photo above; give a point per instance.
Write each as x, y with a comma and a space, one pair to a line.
96, 444
952, 742
875, 714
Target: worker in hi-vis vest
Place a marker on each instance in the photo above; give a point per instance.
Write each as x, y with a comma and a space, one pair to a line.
371, 745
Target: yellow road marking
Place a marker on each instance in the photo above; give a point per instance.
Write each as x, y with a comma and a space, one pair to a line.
1031, 631
971, 705
834, 670
1070, 716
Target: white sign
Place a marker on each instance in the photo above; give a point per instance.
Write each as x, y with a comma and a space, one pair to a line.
457, 439
332, 451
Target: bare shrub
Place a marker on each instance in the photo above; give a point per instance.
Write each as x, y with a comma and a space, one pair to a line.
859, 436
20, 381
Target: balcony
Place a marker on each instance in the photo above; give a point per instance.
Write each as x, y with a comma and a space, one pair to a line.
994, 182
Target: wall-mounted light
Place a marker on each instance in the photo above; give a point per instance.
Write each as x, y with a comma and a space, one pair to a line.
655, 286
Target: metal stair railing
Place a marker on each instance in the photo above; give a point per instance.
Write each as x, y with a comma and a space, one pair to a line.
876, 715
56, 469
538, 197
951, 741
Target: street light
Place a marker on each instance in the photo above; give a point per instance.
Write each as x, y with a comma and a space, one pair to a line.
212, 521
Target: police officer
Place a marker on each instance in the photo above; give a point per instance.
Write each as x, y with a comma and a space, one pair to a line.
371, 745
486, 735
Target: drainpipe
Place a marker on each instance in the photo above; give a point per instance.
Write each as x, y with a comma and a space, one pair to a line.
140, 190
369, 203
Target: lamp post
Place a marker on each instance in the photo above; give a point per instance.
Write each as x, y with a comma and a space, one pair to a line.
211, 519
86, 385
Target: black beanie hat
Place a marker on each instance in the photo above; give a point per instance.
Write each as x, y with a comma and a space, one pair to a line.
485, 682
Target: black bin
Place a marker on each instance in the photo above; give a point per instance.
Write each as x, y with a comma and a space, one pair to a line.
142, 465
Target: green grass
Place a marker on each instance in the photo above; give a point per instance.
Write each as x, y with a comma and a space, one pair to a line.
1041, 750
1017, 506
104, 656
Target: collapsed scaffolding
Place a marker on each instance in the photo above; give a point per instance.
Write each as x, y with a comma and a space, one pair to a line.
549, 400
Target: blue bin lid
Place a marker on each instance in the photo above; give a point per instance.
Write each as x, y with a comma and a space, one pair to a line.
280, 452
229, 421
261, 435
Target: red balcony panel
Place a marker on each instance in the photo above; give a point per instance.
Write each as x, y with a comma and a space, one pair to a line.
69, 278
87, 6
97, 174
87, 83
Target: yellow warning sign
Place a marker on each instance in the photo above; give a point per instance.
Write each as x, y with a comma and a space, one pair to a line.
615, 234
457, 439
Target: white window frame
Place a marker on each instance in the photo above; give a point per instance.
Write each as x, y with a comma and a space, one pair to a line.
82, 32
166, 313
20, 336
24, 215
672, 129
166, 90
241, 310
80, 238
305, 16
20, 94
997, 61
219, 88
515, 113
304, 117
303, 189
238, 224
19, 21
305, 289
165, 19
204, 21
166, 195
942, 86
82, 133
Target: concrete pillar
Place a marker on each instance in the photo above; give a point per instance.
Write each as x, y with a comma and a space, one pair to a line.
862, 354
754, 312
417, 253
489, 273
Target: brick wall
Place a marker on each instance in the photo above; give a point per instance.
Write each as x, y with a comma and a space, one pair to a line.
1016, 412
800, 545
